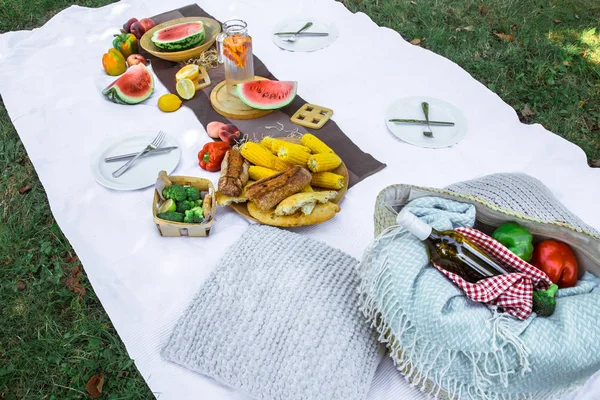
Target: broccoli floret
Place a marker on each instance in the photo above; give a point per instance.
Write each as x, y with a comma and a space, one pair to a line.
199, 203
175, 192
544, 302
192, 193
194, 216
183, 206
171, 216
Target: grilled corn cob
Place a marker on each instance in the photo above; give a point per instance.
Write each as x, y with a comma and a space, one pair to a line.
293, 155
323, 162
257, 173
315, 144
327, 180
307, 189
276, 144
261, 156
267, 142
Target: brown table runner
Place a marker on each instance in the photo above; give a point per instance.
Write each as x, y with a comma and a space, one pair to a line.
360, 164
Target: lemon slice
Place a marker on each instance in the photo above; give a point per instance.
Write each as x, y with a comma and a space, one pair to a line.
168, 205
190, 71
186, 88
169, 102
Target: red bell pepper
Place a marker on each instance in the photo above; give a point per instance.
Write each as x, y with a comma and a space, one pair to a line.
557, 260
212, 154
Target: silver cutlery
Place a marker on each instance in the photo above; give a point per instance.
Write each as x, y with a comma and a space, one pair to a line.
151, 146
302, 34
421, 122
160, 150
427, 133
292, 38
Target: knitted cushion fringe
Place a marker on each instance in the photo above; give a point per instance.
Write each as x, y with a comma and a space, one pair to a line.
416, 357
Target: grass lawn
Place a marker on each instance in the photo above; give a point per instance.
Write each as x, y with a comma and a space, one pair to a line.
541, 57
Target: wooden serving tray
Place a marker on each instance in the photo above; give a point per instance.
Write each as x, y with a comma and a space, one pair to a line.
211, 29
242, 209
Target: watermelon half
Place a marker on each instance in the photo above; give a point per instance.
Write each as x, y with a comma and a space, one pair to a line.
134, 86
179, 37
266, 94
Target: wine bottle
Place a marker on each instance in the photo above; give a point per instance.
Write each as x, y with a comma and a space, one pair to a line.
451, 250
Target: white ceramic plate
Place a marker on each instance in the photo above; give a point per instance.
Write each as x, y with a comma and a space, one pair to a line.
305, 43
145, 170
439, 110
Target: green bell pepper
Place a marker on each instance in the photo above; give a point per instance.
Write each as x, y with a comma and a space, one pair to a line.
516, 238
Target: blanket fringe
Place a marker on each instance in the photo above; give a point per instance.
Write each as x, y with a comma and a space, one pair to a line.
416, 357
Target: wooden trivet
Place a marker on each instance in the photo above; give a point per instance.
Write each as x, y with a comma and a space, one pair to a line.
203, 79
312, 116
231, 106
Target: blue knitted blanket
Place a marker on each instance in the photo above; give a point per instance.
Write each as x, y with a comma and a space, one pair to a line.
436, 335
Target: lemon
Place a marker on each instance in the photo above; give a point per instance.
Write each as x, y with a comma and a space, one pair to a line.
186, 89
168, 205
169, 102
190, 71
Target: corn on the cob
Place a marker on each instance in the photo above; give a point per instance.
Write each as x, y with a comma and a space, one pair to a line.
267, 142
276, 144
315, 144
293, 155
327, 180
323, 162
257, 173
261, 156
307, 189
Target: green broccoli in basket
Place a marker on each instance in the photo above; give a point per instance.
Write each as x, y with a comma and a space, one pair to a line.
172, 216
192, 193
194, 216
175, 192
199, 203
183, 206
544, 302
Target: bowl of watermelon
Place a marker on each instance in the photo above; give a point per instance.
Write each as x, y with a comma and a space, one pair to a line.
181, 39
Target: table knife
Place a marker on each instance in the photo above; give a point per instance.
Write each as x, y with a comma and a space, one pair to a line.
421, 122
123, 157
315, 34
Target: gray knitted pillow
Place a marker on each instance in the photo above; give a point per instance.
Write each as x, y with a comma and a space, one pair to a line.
278, 319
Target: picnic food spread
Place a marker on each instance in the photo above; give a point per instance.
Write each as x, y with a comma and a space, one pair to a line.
294, 177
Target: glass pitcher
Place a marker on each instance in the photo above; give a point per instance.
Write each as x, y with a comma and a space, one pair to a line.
234, 48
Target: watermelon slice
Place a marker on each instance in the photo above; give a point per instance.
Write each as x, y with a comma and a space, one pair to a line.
179, 37
134, 86
266, 94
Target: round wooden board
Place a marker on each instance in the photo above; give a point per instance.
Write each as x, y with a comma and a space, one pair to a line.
211, 28
242, 209
231, 106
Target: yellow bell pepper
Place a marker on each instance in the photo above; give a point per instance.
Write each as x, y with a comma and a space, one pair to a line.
113, 62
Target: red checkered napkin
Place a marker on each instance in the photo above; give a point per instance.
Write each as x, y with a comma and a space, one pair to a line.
513, 292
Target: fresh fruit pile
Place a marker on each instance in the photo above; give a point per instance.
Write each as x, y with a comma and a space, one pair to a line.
182, 204
138, 28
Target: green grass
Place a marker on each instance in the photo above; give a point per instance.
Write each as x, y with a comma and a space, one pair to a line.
53, 340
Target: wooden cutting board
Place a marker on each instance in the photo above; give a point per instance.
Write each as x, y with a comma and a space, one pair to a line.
231, 106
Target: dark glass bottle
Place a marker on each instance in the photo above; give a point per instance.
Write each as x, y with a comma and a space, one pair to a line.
451, 250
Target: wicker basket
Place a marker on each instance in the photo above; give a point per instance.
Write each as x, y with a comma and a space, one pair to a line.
169, 228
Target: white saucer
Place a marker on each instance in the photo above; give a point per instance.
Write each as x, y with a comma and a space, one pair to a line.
145, 170
305, 43
439, 110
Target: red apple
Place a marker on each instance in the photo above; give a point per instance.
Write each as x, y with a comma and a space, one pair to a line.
147, 23
230, 134
127, 25
135, 59
137, 29
213, 129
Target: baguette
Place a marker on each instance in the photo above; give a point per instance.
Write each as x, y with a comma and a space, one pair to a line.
304, 201
223, 200
270, 191
234, 174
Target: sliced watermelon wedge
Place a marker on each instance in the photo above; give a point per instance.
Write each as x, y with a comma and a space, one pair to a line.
180, 36
266, 94
134, 86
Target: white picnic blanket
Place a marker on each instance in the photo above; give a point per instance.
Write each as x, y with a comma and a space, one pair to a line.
50, 81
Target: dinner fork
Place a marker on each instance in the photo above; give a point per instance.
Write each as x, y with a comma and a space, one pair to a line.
425, 106
152, 146
292, 38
